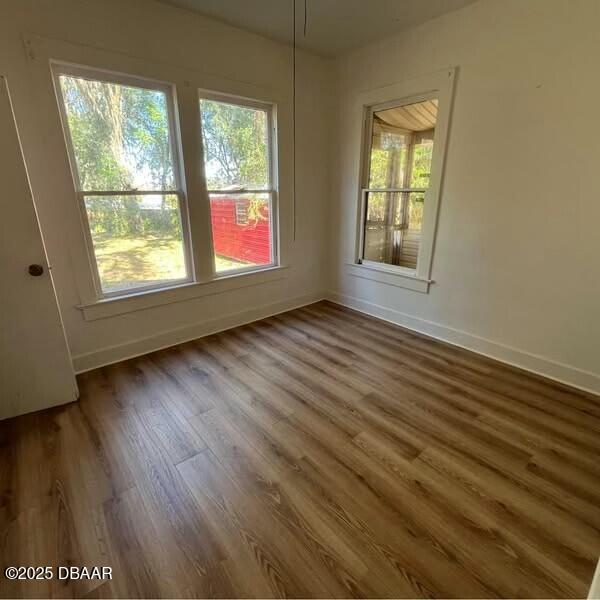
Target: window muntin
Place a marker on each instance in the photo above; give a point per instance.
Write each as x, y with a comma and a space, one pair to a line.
237, 142
400, 155
121, 137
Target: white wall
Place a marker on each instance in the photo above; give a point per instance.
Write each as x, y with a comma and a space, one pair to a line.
517, 257
155, 32
516, 260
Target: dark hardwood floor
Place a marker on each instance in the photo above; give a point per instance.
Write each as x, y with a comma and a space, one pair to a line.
317, 453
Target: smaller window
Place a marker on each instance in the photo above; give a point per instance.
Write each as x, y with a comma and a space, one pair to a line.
241, 212
237, 138
400, 155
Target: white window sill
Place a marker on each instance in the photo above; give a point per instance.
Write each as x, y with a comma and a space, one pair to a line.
118, 305
389, 276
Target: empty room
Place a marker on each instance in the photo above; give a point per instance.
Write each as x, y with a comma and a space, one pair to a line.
299, 298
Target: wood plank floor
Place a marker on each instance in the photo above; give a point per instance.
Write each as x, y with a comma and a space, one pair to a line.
317, 453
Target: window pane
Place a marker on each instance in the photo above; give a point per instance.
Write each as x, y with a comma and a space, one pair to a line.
235, 142
393, 227
138, 240
421, 160
241, 230
388, 159
402, 146
120, 135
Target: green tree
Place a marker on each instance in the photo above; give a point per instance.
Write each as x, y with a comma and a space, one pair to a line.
235, 145
121, 141
235, 152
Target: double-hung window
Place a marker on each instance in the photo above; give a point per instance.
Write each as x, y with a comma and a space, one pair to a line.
124, 151
404, 132
398, 175
127, 162
238, 166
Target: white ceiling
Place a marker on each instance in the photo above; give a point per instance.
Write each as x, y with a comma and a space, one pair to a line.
333, 26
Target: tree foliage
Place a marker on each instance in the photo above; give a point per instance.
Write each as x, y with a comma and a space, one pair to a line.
120, 138
235, 151
235, 145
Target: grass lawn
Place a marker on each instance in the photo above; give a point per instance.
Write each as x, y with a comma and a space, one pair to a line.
128, 262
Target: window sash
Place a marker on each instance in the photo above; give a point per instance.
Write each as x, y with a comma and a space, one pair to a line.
185, 231
168, 89
243, 191
273, 220
366, 149
93, 74
272, 175
160, 192
410, 271
395, 190
247, 103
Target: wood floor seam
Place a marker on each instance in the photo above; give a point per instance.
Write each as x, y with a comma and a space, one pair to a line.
315, 453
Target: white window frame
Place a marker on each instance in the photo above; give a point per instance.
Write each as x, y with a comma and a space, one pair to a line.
438, 85
59, 189
101, 75
271, 190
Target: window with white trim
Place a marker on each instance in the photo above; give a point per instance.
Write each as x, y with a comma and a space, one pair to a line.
127, 163
123, 146
400, 151
405, 132
237, 140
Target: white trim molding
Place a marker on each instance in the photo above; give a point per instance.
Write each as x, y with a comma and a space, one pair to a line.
540, 365
389, 276
192, 331
439, 85
110, 307
594, 593
184, 84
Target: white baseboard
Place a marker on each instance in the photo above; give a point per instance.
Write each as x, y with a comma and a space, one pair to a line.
540, 365
164, 339
567, 374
